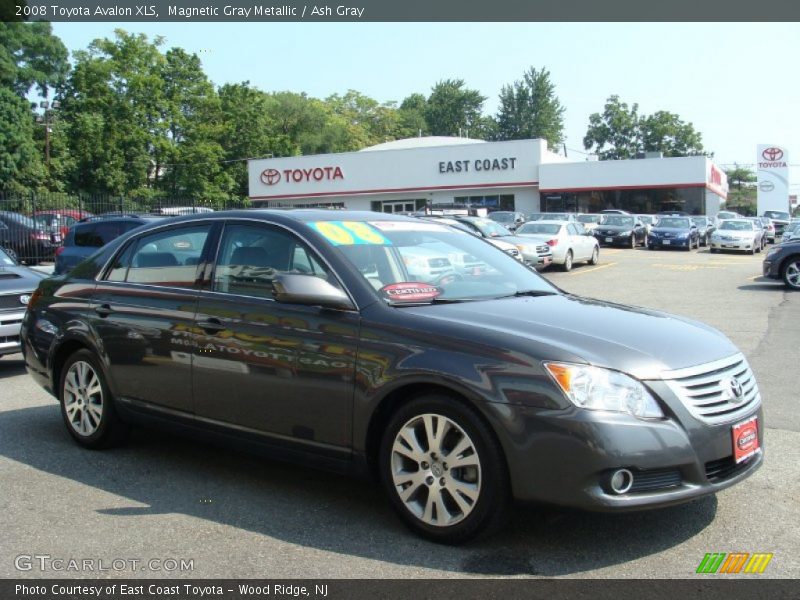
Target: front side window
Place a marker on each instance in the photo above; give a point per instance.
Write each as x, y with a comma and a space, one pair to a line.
251, 256
167, 258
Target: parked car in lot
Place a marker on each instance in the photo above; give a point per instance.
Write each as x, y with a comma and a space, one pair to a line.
84, 238
614, 211
460, 397
792, 232
780, 220
737, 234
648, 221
59, 221
724, 215
23, 239
533, 254
589, 221
568, 243
552, 216
508, 219
783, 262
621, 230
763, 226
17, 283
705, 227
674, 232
506, 247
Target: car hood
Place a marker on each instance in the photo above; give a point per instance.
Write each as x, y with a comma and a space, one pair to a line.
736, 233
670, 230
18, 279
630, 339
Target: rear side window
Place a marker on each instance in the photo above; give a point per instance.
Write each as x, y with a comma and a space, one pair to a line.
166, 258
86, 237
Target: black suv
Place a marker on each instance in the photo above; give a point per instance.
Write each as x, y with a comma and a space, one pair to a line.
374, 343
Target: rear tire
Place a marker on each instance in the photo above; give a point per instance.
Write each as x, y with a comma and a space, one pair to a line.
567, 266
444, 471
87, 406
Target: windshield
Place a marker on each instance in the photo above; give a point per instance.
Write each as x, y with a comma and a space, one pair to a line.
700, 221
449, 265
776, 214
502, 217
589, 218
674, 222
489, 228
737, 225
543, 228
5, 259
647, 219
617, 221
726, 215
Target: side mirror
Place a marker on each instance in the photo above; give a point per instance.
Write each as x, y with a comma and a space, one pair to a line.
292, 288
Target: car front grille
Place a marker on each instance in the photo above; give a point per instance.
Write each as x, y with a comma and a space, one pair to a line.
9, 339
543, 249
9, 301
647, 481
709, 391
725, 468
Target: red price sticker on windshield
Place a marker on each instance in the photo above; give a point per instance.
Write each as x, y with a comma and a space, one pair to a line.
410, 291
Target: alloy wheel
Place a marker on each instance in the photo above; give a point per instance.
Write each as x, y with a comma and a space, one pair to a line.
436, 470
791, 274
83, 398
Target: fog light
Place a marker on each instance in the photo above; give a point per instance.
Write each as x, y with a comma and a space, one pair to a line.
621, 481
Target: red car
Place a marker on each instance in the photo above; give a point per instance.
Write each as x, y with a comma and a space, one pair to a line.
59, 221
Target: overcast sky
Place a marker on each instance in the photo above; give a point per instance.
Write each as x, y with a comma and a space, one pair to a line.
737, 83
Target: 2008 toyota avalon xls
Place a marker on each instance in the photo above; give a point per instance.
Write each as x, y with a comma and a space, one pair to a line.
302, 333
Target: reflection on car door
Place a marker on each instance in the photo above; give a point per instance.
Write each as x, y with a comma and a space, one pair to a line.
269, 367
148, 294
578, 242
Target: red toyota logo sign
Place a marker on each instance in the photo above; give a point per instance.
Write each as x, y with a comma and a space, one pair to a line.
772, 154
270, 176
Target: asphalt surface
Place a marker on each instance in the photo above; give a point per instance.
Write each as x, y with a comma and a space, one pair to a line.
235, 515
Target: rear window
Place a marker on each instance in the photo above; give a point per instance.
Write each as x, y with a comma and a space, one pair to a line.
85, 237
95, 235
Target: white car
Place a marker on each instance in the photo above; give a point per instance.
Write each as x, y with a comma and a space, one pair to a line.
590, 221
736, 234
568, 241
791, 233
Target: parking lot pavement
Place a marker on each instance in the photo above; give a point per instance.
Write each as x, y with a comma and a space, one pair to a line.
240, 516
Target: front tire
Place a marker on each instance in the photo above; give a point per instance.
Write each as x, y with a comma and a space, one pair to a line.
595, 256
443, 470
791, 273
87, 406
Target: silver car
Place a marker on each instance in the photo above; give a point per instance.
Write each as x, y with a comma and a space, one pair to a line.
737, 234
568, 243
16, 286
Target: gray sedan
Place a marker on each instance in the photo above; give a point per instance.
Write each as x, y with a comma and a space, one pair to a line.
16, 286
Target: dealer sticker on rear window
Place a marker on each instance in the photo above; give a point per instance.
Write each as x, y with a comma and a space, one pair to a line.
350, 233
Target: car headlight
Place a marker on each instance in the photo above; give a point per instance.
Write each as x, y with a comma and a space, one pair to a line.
594, 388
624, 233
24, 299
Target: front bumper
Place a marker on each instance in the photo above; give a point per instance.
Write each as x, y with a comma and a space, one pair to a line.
771, 268
733, 244
567, 457
10, 323
662, 242
613, 240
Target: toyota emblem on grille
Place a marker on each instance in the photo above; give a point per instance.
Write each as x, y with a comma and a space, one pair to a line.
736, 392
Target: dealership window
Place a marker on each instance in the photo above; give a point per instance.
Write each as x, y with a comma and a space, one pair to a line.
492, 202
398, 206
640, 201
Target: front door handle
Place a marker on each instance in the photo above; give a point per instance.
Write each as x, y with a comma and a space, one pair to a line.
104, 310
210, 325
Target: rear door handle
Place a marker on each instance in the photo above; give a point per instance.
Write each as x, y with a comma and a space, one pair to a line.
211, 325
103, 310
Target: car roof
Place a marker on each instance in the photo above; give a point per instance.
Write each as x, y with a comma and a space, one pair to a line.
550, 222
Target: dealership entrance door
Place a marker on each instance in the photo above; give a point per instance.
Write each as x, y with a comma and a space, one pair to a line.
399, 206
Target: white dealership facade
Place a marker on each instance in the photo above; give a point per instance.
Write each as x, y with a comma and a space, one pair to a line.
523, 175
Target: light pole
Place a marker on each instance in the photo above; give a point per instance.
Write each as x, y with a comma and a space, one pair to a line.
47, 119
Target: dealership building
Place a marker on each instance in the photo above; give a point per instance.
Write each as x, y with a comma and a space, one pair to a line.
523, 175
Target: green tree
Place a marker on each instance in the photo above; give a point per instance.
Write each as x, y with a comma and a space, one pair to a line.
614, 134
21, 166
452, 108
665, 132
739, 176
529, 108
411, 116
30, 55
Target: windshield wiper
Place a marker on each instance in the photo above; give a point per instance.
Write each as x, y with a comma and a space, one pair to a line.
529, 294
